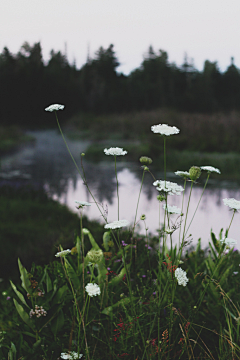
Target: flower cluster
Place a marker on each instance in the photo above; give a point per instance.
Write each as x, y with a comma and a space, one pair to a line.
184, 174
164, 129
232, 203
81, 204
72, 355
210, 169
39, 311
172, 209
92, 289
39, 293
123, 327
63, 253
228, 241
181, 276
115, 151
54, 107
95, 255
171, 268
169, 187
117, 224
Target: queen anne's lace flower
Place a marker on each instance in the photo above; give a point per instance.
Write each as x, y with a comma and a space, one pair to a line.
184, 174
232, 203
71, 356
117, 224
92, 289
81, 204
164, 129
63, 253
115, 151
210, 169
181, 276
54, 107
228, 241
172, 209
171, 188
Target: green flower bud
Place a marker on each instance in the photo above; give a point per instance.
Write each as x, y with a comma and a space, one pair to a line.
82, 154
74, 250
194, 173
161, 198
95, 256
143, 217
145, 160
122, 295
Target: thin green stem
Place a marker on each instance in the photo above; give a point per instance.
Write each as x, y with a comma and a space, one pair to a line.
199, 201
231, 220
117, 182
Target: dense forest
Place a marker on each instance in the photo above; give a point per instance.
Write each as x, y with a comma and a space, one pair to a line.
28, 84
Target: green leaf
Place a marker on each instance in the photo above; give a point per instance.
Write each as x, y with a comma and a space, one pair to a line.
57, 323
58, 298
106, 239
37, 344
72, 275
25, 317
91, 238
122, 302
213, 252
48, 282
26, 283
12, 354
116, 280
20, 295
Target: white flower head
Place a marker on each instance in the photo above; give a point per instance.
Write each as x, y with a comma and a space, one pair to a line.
228, 241
63, 253
232, 203
172, 209
181, 276
117, 224
81, 204
71, 356
171, 188
164, 129
93, 289
235, 272
210, 169
184, 174
54, 107
115, 151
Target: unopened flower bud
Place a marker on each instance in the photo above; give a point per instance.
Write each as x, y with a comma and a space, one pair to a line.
145, 160
194, 173
82, 154
143, 217
74, 250
161, 198
95, 255
122, 295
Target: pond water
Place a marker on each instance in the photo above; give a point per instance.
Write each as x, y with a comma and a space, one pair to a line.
46, 163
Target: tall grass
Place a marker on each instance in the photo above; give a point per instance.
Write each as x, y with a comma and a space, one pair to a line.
123, 299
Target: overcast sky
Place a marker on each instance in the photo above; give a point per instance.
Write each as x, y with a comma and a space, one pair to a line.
204, 29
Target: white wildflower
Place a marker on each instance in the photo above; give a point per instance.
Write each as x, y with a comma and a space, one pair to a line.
71, 356
117, 224
184, 174
170, 187
232, 203
210, 169
228, 241
54, 107
81, 204
172, 209
63, 253
92, 289
181, 276
39, 311
115, 151
164, 129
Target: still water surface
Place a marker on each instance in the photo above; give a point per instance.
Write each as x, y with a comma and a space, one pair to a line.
46, 163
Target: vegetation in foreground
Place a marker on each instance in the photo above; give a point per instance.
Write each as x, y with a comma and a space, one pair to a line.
121, 300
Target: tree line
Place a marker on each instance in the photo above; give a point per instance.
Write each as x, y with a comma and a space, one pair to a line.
27, 84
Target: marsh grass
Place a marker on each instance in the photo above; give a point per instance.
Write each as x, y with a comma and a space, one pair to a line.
141, 312
11, 137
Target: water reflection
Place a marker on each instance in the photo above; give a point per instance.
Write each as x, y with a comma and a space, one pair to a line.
47, 164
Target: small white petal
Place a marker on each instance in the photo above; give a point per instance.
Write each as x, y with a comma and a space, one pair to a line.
54, 107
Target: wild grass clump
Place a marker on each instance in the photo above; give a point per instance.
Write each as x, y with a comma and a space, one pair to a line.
130, 297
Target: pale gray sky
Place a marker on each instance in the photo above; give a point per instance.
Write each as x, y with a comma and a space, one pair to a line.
204, 29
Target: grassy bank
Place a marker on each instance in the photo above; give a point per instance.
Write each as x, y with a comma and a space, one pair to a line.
11, 137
